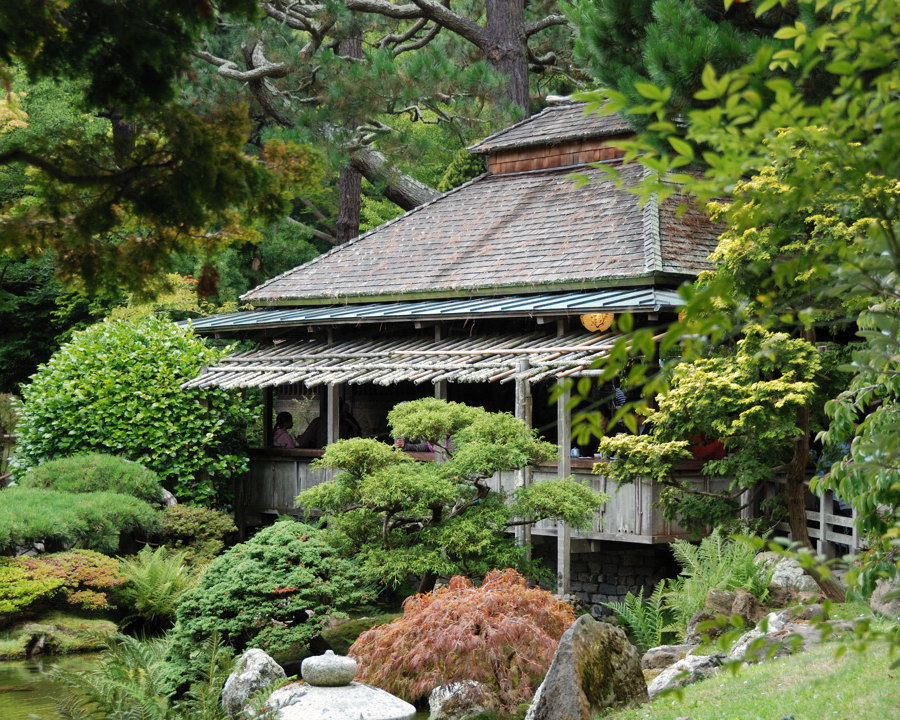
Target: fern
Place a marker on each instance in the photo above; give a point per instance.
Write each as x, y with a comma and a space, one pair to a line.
130, 682
155, 580
647, 621
718, 562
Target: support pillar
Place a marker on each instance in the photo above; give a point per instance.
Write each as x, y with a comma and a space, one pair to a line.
564, 469
333, 417
268, 410
523, 413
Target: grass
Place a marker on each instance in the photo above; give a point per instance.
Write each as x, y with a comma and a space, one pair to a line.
813, 685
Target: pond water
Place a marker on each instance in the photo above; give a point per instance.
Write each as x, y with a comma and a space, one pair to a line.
26, 690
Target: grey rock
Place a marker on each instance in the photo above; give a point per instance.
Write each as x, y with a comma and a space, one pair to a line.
356, 701
595, 667
686, 671
254, 671
328, 670
460, 699
168, 499
788, 573
665, 655
885, 599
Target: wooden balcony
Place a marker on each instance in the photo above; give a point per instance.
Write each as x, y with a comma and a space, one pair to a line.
632, 514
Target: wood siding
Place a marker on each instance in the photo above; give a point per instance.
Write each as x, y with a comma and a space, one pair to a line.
542, 157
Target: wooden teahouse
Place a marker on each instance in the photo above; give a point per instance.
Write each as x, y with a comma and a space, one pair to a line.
489, 295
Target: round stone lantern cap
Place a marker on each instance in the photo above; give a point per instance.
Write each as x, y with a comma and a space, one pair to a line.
328, 670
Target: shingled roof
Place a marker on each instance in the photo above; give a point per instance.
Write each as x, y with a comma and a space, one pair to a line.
526, 232
555, 124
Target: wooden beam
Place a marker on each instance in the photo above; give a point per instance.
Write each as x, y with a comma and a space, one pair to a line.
564, 469
267, 420
523, 475
333, 422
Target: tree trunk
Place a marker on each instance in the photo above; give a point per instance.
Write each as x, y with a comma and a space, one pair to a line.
796, 504
796, 487
427, 582
507, 48
404, 190
350, 197
350, 182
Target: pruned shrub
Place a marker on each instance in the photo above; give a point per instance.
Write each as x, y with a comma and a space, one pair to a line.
78, 578
60, 520
276, 592
503, 634
200, 532
95, 472
116, 389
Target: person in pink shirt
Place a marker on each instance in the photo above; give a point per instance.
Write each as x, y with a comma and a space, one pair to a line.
281, 438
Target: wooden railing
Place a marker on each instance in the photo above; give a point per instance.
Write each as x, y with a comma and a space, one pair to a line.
632, 514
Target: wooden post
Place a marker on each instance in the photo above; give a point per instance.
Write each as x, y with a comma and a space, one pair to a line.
564, 469
268, 409
333, 417
523, 476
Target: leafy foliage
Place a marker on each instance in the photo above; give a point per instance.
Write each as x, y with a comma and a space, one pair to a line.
716, 563
199, 531
648, 621
748, 400
116, 388
130, 681
502, 634
821, 110
276, 592
82, 578
402, 517
93, 521
142, 175
154, 581
96, 473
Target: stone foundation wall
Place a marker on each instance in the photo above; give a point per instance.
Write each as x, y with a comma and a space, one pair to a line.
611, 570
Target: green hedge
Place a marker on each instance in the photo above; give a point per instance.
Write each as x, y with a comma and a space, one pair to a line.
93, 521
116, 389
96, 473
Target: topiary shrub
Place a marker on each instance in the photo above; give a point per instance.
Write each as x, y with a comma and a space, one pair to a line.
200, 532
80, 578
116, 388
95, 472
503, 634
276, 592
95, 521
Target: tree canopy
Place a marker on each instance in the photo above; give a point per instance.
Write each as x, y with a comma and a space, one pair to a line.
402, 517
838, 153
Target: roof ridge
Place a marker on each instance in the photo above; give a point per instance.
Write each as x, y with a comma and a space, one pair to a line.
550, 108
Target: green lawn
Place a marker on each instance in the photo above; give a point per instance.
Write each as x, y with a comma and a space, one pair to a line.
808, 686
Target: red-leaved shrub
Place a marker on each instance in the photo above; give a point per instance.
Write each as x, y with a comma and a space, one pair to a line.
502, 634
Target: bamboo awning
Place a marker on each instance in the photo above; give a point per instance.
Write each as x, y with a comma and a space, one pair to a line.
387, 360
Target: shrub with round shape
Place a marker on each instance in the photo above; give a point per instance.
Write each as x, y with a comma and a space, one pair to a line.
275, 592
95, 472
503, 634
116, 389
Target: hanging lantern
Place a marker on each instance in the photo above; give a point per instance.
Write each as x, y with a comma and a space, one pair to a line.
597, 322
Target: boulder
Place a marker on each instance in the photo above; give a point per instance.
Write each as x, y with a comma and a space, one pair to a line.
784, 633
461, 699
684, 672
788, 573
694, 635
254, 671
885, 600
356, 701
595, 667
661, 657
